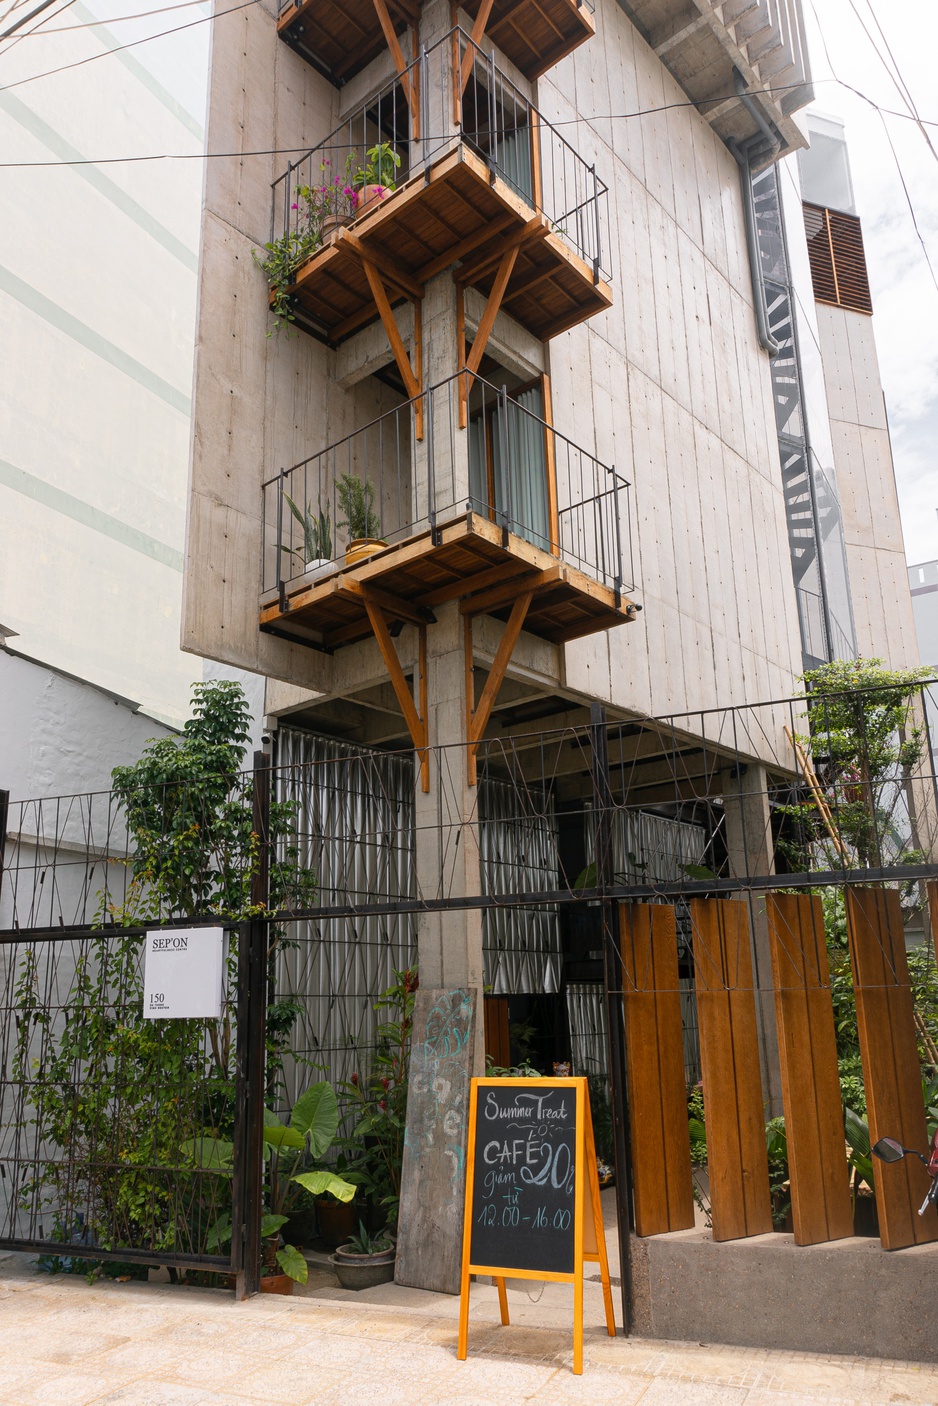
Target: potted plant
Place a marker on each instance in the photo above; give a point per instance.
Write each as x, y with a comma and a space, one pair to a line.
365, 1260
377, 178
317, 536
307, 1138
356, 499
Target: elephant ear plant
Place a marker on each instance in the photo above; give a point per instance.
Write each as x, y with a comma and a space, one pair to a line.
292, 1150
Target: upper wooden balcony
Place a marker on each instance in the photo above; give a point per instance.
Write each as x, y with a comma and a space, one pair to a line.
474, 179
341, 37
483, 514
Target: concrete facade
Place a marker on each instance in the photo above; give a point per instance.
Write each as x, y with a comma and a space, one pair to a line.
670, 385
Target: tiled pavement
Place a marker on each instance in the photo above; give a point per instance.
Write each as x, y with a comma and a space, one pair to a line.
66, 1343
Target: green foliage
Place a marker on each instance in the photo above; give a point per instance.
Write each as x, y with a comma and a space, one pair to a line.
379, 1100
601, 1113
281, 259
776, 1146
697, 1125
317, 532
863, 743
515, 1071
356, 499
382, 165
365, 1244
189, 811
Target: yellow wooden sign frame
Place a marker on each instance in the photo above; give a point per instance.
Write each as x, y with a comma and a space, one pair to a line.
589, 1240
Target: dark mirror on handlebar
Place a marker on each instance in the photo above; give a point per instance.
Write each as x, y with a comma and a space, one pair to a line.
888, 1150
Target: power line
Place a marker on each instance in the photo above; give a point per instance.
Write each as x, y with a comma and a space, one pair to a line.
92, 58
304, 150
115, 19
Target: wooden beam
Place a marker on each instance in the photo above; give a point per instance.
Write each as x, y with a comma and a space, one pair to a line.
397, 52
416, 725
465, 246
505, 593
393, 605
493, 303
409, 285
478, 716
475, 39
492, 577
391, 328
489, 258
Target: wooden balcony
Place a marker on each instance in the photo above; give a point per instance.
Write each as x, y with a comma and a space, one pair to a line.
455, 212
536, 34
472, 560
341, 37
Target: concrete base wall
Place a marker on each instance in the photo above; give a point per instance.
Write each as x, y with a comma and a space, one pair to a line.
849, 1296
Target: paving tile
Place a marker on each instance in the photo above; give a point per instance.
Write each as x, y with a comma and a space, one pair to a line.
674, 1393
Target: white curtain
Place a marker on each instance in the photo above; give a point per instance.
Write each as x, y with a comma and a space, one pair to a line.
520, 467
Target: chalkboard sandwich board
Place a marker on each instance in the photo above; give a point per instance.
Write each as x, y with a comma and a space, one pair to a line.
532, 1193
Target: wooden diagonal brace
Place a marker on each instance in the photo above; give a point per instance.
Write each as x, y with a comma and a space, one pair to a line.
393, 44
415, 714
478, 714
409, 375
478, 30
492, 305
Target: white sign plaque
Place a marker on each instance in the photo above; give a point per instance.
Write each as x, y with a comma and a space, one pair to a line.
184, 974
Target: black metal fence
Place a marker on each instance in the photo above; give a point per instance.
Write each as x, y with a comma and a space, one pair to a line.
126, 1139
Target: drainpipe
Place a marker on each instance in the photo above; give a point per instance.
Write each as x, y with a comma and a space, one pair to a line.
743, 154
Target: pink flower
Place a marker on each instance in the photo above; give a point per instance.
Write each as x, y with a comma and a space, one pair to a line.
294, 207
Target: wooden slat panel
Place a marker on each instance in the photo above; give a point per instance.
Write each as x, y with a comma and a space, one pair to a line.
729, 1058
654, 1049
497, 1042
891, 1072
807, 1047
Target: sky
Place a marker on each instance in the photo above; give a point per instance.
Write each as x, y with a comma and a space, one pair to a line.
886, 151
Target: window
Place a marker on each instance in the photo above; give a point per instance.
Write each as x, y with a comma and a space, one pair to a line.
511, 472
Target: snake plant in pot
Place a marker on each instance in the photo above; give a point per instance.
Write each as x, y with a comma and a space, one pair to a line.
316, 551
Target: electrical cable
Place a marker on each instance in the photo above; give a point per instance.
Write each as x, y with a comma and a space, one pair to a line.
306, 150
132, 44
114, 19
896, 78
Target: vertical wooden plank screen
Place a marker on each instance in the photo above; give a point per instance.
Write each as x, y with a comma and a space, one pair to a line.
888, 1049
931, 887
497, 1039
654, 1051
729, 1057
807, 1048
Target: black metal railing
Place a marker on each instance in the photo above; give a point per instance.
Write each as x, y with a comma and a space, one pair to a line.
453, 92
508, 464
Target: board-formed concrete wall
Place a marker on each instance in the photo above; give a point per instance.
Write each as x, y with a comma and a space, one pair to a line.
670, 385
879, 582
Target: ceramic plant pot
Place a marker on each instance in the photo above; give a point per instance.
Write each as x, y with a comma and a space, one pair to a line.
316, 566
363, 1271
277, 1284
361, 548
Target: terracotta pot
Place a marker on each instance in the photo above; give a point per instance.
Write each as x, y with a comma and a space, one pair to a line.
331, 223
361, 548
370, 196
337, 1220
277, 1284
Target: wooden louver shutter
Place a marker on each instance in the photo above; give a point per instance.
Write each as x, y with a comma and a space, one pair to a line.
838, 264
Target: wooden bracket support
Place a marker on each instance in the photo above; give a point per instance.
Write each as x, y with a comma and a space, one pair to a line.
411, 375
397, 53
415, 713
478, 714
472, 360
478, 31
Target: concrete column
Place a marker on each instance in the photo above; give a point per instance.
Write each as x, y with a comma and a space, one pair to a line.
751, 852
449, 957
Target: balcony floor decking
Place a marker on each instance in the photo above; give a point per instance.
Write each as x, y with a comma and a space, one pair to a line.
341, 37
471, 560
536, 34
457, 210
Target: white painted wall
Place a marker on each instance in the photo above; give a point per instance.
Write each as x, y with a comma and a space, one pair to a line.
98, 269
